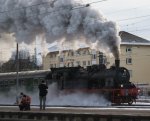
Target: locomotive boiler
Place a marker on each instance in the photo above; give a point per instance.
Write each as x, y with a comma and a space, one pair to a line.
114, 82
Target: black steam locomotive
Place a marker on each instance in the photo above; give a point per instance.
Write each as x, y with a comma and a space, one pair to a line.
113, 83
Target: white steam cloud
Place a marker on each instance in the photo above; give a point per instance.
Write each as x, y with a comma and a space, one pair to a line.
57, 20
74, 99
57, 98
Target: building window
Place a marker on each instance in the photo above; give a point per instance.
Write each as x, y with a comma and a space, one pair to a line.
11, 82
51, 56
84, 52
78, 53
128, 60
72, 54
51, 65
128, 49
84, 63
61, 60
72, 64
78, 63
89, 63
94, 56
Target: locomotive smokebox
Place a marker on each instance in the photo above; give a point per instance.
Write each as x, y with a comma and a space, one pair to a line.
117, 63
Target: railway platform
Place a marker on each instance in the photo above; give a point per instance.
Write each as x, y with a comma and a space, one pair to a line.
74, 114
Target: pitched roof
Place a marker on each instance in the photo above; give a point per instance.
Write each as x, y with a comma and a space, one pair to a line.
128, 37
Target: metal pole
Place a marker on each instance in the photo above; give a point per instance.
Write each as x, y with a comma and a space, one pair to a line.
35, 52
35, 58
17, 69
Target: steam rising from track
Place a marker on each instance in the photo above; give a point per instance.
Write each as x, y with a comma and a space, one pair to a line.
61, 20
74, 99
56, 98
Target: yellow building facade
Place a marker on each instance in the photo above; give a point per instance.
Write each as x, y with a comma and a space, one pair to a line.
69, 58
136, 58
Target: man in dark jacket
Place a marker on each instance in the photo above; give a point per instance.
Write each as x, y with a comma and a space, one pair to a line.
42, 94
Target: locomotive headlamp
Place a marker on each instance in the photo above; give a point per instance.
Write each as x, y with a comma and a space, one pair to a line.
121, 85
139, 90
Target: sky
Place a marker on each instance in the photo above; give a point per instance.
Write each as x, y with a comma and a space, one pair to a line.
132, 16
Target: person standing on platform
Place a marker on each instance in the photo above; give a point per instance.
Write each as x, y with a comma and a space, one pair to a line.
42, 94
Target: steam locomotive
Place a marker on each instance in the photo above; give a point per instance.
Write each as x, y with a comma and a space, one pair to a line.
113, 83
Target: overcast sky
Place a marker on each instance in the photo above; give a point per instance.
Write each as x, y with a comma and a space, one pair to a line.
132, 16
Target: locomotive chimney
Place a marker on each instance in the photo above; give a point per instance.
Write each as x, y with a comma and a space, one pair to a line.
117, 63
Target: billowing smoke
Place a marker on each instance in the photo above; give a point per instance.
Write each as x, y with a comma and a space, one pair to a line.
61, 20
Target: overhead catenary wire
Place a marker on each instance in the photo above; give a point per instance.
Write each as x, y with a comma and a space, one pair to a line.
131, 18
143, 27
97, 1
135, 26
134, 23
126, 10
138, 30
145, 17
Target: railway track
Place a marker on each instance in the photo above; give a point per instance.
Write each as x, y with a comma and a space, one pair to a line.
147, 106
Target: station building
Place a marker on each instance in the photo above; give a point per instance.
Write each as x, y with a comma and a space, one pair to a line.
135, 56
